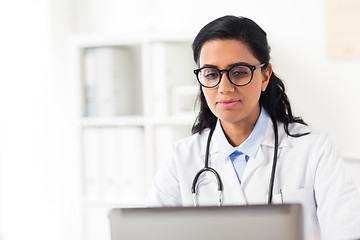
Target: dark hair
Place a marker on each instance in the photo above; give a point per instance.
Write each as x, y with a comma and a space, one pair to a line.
273, 99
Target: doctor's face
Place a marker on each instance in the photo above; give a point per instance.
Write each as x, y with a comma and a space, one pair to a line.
230, 103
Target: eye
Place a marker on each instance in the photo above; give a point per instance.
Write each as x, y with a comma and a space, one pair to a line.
210, 73
240, 72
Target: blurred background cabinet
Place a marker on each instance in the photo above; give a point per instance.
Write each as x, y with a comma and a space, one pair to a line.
136, 97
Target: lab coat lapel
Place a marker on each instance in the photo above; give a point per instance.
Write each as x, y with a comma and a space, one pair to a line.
233, 190
270, 136
233, 193
265, 153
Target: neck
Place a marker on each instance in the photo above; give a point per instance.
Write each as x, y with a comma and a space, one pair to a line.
237, 132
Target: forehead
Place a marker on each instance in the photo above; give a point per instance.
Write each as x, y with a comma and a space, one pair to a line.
223, 53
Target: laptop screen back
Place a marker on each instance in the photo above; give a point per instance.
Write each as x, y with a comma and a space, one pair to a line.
228, 222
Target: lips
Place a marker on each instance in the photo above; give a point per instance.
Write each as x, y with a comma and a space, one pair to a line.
227, 104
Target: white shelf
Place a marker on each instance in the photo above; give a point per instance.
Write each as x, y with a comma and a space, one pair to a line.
112, 121
173, 120
136, 96
136, 121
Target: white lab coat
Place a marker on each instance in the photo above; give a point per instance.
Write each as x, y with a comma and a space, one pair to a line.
309, 171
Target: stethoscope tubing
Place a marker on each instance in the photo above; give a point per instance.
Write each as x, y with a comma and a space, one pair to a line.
206, 168
273, 169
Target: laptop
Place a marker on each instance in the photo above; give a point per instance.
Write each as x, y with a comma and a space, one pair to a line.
227, 222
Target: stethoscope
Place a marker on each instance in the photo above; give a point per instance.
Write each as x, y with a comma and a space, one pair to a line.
217, 176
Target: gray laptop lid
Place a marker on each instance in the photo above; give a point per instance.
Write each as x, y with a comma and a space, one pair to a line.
227, 222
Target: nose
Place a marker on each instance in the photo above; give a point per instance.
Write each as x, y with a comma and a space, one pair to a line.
225, 85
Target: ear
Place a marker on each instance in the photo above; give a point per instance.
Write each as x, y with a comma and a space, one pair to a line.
266, 77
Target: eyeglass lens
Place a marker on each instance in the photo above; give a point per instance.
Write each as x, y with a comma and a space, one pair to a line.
239, 75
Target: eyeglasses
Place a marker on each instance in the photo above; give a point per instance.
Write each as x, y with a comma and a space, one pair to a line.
239, 75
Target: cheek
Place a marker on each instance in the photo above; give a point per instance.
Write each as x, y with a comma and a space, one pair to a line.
258, 84
253, 90
209, 96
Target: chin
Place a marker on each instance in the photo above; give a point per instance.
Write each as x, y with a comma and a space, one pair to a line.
230, 118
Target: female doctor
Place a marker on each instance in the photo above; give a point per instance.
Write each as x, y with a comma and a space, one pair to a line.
247, 147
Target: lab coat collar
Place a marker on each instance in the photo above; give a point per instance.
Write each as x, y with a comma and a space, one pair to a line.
270, 135
268, 139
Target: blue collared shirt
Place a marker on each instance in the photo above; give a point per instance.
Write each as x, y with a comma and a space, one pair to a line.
247, 149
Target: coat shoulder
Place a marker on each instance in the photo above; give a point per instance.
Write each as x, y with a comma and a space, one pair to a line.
194, 141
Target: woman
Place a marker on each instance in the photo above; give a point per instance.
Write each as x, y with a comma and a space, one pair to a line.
245, 108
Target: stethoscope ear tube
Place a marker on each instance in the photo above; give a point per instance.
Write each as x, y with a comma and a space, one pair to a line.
207, 169
193, 188
218, 180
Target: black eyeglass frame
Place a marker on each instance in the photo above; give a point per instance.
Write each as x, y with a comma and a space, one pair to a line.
251, 67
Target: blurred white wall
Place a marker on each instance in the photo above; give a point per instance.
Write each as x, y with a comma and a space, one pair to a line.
38, 158
38, 166
323, 91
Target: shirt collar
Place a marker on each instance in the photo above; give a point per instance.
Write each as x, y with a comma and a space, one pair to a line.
250, 146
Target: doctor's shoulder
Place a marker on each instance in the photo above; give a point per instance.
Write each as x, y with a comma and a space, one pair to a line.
335, 194
310, 135
315, 143
193, 144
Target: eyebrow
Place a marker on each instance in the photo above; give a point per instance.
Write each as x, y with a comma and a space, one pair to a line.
229, 66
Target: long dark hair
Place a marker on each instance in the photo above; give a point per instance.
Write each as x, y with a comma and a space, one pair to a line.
273, 99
